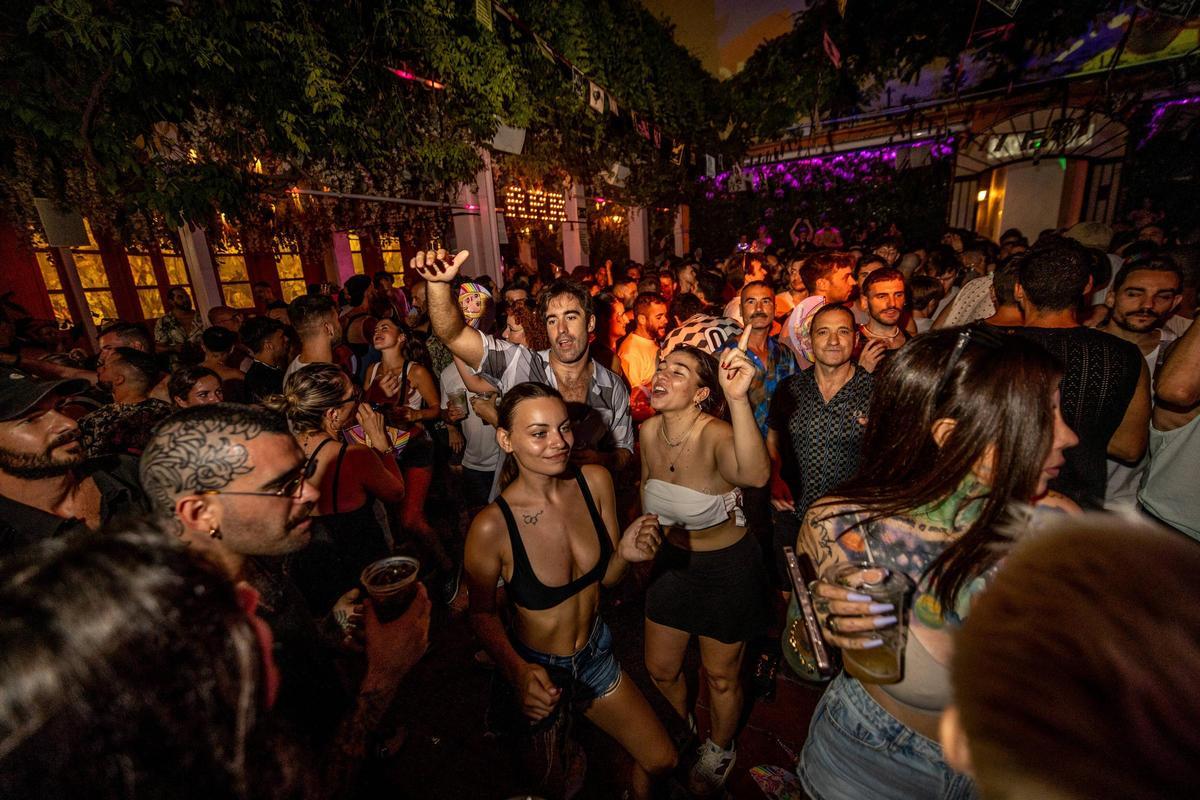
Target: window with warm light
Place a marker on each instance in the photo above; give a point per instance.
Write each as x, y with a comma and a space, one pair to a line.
234, 277
393, 257
291, 273
94, 279
356, 253
53, 281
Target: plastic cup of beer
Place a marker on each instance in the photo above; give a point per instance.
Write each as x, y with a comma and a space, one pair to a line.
883, 663
458, 399
392, 584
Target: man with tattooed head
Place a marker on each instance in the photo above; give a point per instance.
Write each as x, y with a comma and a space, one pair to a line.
48, 486
235, 484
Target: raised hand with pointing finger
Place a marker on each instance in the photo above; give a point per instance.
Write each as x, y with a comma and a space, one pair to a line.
737, 370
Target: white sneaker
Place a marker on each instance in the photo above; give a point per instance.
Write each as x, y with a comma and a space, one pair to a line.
711, 769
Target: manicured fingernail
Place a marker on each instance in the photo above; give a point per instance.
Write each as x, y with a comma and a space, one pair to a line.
858, 598
879, 608
883, 622
872, 644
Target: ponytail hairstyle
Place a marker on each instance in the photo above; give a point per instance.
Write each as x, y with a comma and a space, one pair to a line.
507, 409
307, 394
706, 374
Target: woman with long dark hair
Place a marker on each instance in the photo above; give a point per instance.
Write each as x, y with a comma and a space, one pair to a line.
709, 581
964, 427
552, 536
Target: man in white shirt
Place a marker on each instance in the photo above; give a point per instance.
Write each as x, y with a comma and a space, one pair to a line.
1143, 297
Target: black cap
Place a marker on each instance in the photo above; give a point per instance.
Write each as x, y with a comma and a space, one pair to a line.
20, 392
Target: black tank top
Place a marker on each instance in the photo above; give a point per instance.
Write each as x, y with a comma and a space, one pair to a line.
525, 589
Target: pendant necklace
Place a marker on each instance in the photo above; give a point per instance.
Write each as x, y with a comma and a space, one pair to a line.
663, 432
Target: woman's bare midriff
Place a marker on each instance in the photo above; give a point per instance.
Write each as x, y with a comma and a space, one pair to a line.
563, 629
706, 539
923, 722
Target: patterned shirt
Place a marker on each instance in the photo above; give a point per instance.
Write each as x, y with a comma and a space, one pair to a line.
170, 332
121, 427
603, 425
819, 441
780, 365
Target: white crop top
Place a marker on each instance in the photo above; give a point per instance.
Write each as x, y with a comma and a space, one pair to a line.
687, 508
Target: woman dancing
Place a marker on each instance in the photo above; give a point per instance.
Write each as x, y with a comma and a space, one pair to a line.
552, 536
709, 581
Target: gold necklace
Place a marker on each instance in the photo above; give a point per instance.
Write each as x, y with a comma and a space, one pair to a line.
662, 430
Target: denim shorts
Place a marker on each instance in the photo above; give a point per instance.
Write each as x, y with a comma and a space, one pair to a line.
855, 750
589, 673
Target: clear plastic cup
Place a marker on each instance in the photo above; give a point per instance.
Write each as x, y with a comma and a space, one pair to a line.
392, 584
883, 663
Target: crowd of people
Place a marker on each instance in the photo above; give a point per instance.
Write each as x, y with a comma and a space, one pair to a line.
185, 516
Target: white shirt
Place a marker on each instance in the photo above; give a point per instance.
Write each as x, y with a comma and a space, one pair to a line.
481, 451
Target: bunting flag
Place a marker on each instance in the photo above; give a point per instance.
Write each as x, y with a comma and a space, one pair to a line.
710, 166
583, 86
841, 8
595, 97
831, 50
483, 13
677, 153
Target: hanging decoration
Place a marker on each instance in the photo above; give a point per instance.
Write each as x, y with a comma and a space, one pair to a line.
596, 95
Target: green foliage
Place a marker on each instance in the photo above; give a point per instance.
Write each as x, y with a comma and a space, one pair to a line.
790, 78
139, 112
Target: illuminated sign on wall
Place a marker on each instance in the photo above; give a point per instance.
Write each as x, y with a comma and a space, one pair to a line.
534, 204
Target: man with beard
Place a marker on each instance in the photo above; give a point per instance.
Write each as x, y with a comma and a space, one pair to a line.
180, 327
639, 350
1144, 295
315, 319
597, 400
123, 426
48, 487
829, 278
233, 484
883, 299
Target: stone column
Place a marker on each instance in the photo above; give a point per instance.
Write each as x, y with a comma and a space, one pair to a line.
339, 260
475, 224
683, 230
639, 234
575, 208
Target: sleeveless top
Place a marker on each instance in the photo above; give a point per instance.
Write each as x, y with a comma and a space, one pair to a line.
1098, 383
343, 543
524, 588
690, 509
1169, 488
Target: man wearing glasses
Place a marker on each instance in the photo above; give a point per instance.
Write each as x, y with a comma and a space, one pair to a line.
236, 485
48, 486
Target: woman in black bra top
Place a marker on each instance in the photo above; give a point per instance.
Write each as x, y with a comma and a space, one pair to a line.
552, 536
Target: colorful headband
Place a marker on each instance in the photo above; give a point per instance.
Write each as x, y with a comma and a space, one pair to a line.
468, 287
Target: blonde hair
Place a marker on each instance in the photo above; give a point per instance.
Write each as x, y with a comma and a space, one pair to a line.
308, 393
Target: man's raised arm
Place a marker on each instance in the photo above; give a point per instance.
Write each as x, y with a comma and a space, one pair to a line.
444, 314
